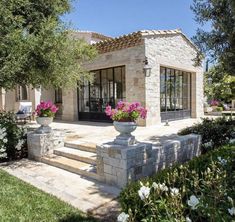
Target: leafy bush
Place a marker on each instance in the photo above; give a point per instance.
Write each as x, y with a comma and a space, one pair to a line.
200, 190
12, 138
219, 109
214, 132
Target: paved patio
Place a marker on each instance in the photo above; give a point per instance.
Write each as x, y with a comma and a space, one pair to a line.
96, 132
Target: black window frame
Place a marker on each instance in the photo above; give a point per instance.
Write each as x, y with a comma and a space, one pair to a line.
172, 111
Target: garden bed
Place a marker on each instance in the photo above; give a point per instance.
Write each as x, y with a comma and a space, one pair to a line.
200, 190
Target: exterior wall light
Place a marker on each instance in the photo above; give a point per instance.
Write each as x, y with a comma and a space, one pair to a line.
147, 68
209, 80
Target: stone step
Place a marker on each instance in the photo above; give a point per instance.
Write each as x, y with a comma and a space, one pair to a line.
74, 166
75, 154
89, 147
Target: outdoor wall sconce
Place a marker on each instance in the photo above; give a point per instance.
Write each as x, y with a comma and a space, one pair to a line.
147, 68
209, 80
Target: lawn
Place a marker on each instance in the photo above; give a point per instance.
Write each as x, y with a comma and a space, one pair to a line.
22, 202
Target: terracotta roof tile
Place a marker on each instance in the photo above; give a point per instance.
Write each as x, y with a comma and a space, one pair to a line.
134, 39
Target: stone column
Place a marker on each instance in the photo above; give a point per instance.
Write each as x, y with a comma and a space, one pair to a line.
41, 144
118, 164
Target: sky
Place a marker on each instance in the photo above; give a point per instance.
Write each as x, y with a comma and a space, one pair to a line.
118, 17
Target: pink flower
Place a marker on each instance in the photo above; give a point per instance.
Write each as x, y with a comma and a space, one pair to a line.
108, 110
46, 109
124, 111
120, 105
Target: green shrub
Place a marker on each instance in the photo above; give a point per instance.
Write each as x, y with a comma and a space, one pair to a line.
214, 132
208, 179
12, 138
219, 109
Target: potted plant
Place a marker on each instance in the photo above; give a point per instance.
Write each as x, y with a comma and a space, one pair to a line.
124, 116
45, 113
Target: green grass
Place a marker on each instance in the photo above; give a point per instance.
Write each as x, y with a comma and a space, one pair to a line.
21, 202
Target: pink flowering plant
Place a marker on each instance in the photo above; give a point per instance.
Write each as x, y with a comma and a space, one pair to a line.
214, 102
126, 112
46, 109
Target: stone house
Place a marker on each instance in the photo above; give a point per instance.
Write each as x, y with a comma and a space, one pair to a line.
153, 67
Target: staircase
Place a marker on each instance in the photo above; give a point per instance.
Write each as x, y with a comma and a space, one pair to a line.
76, 158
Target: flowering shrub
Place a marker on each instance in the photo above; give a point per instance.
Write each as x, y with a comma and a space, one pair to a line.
126, 112
46, 109
214, 102
214, 132
12, 138
200, 190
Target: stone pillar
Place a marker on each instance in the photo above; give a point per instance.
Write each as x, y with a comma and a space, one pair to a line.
41, 144
118, 164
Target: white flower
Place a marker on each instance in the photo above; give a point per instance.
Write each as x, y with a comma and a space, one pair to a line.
188, 219
160, 186
222, 161
3, 155
207, 145
144, 192
5, 140
2, 149
19, 144
174, 191
231, 211
230, 200
231, 141
2, 135
193, 202
123, 217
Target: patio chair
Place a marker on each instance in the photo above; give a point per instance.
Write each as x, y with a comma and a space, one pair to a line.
25, 112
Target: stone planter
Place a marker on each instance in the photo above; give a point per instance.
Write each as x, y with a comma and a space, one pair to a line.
125, 129
44, 122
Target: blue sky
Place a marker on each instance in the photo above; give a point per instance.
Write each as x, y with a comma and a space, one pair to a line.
117, 17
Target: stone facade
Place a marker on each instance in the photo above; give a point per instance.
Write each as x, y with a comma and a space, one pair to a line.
171, 51
162, 48
118, 165
132, 58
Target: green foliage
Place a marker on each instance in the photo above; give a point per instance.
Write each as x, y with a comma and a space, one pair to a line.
12, 138
222, 86
219, 42
36, 49
210, 178
214, 132
20, 202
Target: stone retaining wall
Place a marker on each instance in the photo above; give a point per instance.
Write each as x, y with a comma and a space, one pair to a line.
118, 165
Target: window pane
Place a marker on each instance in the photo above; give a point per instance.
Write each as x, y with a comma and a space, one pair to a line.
84, 98
95, 100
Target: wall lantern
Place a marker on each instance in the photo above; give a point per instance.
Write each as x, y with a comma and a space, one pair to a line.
209, 80
147, 68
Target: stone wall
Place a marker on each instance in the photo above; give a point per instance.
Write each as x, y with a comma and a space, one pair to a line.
172, 51
118, 165
132, 58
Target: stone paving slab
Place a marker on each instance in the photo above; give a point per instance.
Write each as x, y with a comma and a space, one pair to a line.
80, 192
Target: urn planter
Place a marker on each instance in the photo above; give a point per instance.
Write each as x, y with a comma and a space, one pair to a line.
44, 123
125, 129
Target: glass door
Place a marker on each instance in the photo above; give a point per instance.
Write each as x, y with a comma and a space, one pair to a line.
107, 89
175, 94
